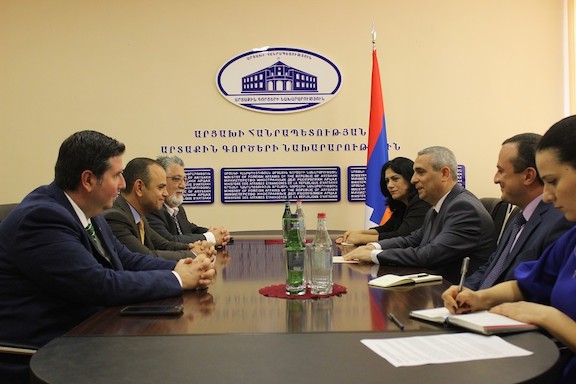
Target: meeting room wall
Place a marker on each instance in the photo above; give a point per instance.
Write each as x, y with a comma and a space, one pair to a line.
463, 74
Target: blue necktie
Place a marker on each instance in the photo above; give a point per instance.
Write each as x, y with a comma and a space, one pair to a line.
492, 275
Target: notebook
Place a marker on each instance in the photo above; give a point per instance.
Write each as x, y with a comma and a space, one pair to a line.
483, 322
389, 280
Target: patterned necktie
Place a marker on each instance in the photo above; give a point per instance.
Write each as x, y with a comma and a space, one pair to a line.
141, 230
498, 268
175, 218
92, 233
96, 240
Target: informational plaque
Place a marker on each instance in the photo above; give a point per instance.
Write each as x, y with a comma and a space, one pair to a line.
277, 184
199, 186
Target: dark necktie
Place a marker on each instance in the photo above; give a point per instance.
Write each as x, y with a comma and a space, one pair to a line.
96, 240
498, 268
428, 230
178, 229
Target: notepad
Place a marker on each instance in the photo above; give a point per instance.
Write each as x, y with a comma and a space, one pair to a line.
484, 322
340, 260
387, 281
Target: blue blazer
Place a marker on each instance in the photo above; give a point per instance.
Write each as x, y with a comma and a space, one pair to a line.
52, 277
462, 228
545, 226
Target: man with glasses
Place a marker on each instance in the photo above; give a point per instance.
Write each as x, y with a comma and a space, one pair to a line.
171, 221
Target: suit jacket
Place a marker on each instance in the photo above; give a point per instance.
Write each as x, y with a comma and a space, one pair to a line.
545, 226
462, 228
52, 277
163, 223
123, 224
404, 220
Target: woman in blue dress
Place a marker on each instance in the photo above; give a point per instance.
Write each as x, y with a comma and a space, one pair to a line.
544, 292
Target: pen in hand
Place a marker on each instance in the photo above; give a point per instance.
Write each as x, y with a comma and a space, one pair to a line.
396, 321
463, 272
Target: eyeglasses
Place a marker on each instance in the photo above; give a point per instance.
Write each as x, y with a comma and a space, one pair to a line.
177, 179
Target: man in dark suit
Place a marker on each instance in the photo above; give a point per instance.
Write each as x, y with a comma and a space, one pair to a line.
145, 193
539, 223
456, 227
60, 262
171, 221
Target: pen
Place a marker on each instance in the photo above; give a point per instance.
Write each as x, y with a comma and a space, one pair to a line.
396, 321
463, 273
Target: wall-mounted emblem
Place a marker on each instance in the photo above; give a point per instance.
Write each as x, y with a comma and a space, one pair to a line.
279, 80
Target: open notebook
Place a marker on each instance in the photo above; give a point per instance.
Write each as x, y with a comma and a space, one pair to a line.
390, 280
483, 322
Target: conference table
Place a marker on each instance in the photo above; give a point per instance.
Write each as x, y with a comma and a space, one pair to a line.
231, 332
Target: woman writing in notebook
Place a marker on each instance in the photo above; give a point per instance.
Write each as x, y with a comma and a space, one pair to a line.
544, 290
408, 210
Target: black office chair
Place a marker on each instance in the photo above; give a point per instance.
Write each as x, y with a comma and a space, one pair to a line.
5, 209
501, 212
13, 357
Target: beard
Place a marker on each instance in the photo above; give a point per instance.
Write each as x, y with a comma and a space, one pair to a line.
175, 200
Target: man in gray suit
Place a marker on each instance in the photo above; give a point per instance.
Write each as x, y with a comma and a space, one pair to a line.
171, 221
536, 226
145, 193
456, 227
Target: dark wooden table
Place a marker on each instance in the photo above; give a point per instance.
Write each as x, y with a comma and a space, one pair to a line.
233, 333
233, 305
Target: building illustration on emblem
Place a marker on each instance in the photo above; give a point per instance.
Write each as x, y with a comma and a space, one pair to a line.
279, 77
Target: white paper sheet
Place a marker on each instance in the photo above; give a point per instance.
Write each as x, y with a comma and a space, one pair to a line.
440, 349
340, 260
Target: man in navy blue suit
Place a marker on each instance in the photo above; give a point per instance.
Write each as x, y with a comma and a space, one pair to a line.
60, 262
538, 224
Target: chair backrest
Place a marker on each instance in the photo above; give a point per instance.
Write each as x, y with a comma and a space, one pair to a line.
5, 209
501, 212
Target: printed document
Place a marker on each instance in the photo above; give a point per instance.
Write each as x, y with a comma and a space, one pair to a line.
445, 348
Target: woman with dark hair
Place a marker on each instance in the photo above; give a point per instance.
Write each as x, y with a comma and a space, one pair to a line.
544, 290
408, 210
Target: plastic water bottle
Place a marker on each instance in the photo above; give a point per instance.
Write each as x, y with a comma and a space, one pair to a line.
286, 221
320, 255
322, 237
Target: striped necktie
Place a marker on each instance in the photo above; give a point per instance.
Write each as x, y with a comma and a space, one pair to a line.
493, 275
92, 233
96, 240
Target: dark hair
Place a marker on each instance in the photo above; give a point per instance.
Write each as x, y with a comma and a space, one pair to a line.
138, 168
526, 144
405, 168
85, 150
561, 138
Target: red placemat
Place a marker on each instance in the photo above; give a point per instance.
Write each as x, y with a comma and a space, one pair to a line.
280, 291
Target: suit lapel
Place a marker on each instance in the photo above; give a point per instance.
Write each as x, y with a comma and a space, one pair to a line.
111, 258
527, 231
434, 219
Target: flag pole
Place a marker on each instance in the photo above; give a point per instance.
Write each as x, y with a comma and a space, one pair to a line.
375, 208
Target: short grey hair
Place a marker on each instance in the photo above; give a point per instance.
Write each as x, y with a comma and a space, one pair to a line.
442, 157
167, 161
